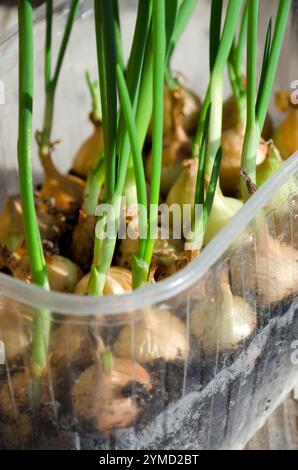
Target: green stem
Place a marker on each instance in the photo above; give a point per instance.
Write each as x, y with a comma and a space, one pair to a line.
277, 42
95, 97
214, 37
215, 30
32, 235
184, 14
216, 81
118, 38
139, 83
48, 48
105, 28
51, 83
137, 159
250, 145
94, 184
159, 51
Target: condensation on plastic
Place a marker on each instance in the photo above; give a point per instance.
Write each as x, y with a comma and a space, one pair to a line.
213, 399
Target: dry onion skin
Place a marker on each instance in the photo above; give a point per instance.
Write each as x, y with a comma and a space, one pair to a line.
99, 397
232, 143
118, 282
88, 154
158, 335
221, 326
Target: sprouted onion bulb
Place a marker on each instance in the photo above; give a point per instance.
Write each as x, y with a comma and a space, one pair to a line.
222, 324
88, 154
63, 273
98, 396
159, 334
118, 282
183, 193
232, 143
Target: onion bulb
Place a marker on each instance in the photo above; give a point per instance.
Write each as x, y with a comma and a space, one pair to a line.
180, 100
15, 394
89, 153
15, 329
221, 324
71, 343
159, 334
63, 273
231, 119
52, 223
176, 148
183, 190
82, 242
285, 136
183, 193
232, 143
118, 282
271, 270
99, 397
65, 190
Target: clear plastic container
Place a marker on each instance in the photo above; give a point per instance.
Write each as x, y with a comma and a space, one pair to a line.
206, 398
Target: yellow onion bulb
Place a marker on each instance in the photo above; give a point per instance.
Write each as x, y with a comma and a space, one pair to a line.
222, 324
285, 136
118, 282
98, 396
89, 153
159, 334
